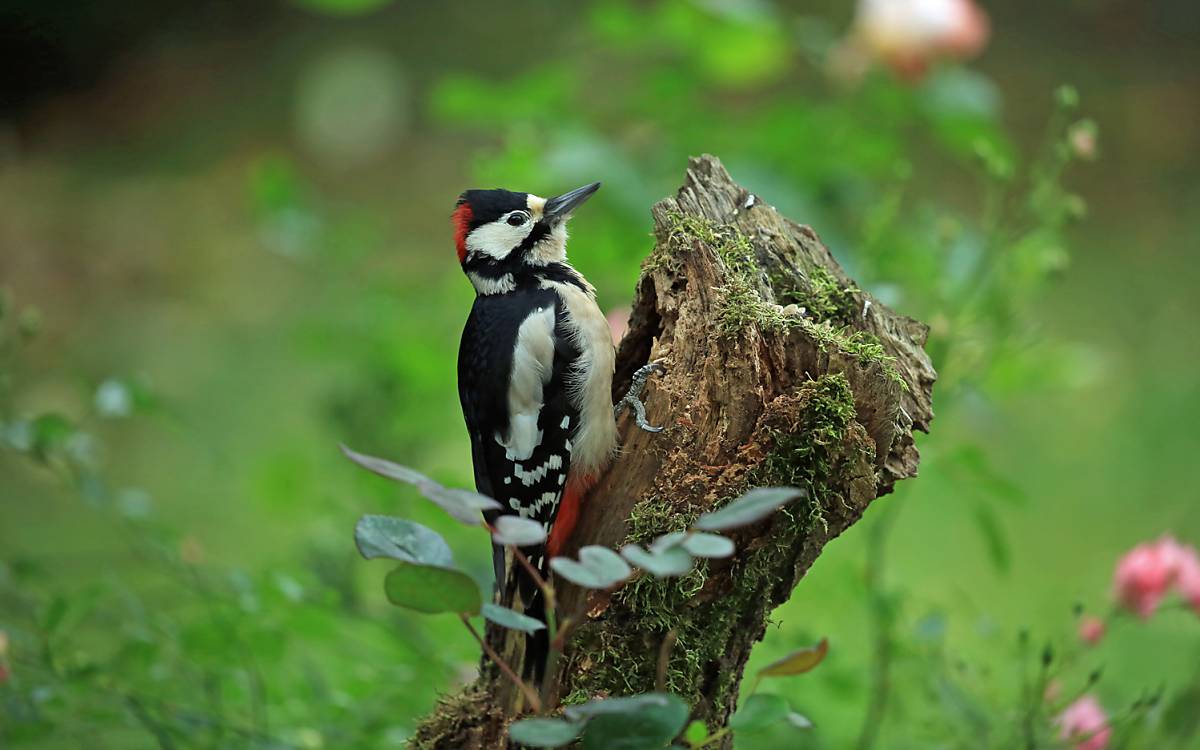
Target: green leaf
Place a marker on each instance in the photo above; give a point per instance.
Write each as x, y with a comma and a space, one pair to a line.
543, 732
696, 733
797, 662
697, 544
700, 544
398, 539
511, 619
622, 705
50, 433
605, 562
1181, 719
576, 573
667, 541
432, 589
799, 721
637, 722
517, 531
755, 505
598, 568
760, 711
994, 538
463, 505
673, 561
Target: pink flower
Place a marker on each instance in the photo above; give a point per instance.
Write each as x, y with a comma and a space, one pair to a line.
1188, 577
909, 34
1091, 630
1085, 724
1145, 573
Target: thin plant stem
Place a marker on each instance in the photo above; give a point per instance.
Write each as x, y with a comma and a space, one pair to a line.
533, 572
529, 693
717, 735
879, 619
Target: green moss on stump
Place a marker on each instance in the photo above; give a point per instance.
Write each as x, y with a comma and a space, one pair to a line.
824, 298
829, 308
719, 601
456, 719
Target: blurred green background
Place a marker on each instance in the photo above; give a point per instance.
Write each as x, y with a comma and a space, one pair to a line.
225, 247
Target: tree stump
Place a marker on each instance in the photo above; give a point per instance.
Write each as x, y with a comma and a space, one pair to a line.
779, 371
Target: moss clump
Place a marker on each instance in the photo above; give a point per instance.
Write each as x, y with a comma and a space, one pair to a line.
863, 346
708, 611
830, 307
456, 719
826, 299
806, 452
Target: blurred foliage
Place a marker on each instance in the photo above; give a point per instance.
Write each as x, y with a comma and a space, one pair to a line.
177, 570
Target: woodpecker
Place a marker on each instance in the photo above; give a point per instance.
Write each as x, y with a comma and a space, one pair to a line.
535, 369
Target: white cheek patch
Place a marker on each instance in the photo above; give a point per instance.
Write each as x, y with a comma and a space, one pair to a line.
497, 239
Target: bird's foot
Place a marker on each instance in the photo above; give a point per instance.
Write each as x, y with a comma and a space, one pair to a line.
633, 398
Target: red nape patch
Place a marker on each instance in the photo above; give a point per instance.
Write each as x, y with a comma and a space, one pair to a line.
462, 225
568, 513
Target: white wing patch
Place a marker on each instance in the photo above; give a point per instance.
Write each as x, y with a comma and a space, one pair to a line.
532, 477
532, 364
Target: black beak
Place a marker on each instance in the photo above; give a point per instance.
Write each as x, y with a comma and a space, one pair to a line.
559, 207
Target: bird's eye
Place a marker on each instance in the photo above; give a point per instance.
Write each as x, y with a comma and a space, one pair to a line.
516, 219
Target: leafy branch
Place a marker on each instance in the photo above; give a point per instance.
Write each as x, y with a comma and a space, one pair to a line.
426, 580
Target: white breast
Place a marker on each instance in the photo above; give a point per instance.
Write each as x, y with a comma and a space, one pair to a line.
590, 381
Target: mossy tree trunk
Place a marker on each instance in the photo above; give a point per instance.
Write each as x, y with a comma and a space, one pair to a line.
778, 372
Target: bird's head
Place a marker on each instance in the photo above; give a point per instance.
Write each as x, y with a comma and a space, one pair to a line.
501, 235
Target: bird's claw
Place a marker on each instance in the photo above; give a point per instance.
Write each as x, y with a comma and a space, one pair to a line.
633, 399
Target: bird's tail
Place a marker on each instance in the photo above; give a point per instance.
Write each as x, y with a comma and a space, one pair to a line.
537, 644
531, 601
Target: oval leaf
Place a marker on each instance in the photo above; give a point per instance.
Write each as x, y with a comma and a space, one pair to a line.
598, 568
696, 733
607, 564
636, 722
760, 711
673, 561
622, 705
463, 505
431, 589
511, 619
543, 732
701, 544
755, 505
667, 541
517, 531
576, 573
797, 662
398, 539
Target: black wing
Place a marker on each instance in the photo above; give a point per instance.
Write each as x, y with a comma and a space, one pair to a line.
530, 487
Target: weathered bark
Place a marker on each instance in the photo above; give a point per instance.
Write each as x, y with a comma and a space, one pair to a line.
778, 372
